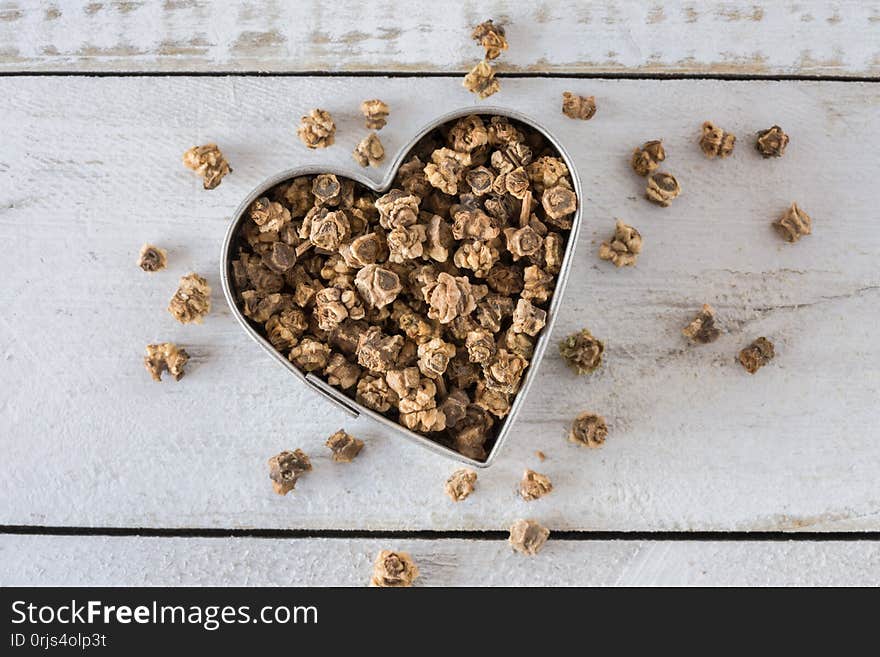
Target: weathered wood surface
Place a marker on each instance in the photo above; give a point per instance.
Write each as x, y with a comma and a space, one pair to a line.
760, 37
91, 170
94, 561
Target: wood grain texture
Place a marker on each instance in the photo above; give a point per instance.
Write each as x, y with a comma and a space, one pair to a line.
695, 443
760, 37
94, 561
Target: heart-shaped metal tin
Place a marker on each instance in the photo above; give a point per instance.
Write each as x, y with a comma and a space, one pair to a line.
347, 404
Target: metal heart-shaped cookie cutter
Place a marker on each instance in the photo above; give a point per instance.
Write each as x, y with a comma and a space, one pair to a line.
347, 404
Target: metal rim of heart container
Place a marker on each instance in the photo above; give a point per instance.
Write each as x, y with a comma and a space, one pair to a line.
347, 404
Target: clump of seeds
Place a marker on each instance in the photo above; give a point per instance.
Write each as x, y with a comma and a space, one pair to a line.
423, 303
481, 78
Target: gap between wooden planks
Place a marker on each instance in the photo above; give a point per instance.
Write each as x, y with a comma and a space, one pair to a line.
696, 443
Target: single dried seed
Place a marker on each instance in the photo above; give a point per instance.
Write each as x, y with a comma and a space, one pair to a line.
344, 446
793, 224
165, 357
662, 188
152, 258
481, 80
285, 468
756, 355
394, 569
192, 301
624, 246
375, 113
647, 158
317, 129
460, 484
491, 37
771, 142
578, 107
702, 329
715, 142
588, 430
534, 486
208, 162
528, 537
582, 351
369, 152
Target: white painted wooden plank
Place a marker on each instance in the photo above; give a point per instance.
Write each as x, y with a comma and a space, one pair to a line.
762, 37
102, 561
91, 169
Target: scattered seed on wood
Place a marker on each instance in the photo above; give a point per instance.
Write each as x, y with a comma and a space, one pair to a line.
208, 162
578, 107
662, 189
715, 142
165, 357
588, 430
344, 446
375, 113
481, 80
756, 355
647, 158
771, 142
192, 301
394, 569
702, 328
285, 468
793, 224
624, 246
369, 152
152, 258
582, 351
491, 37
534, 486
460, 484
317, 129
528, 537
